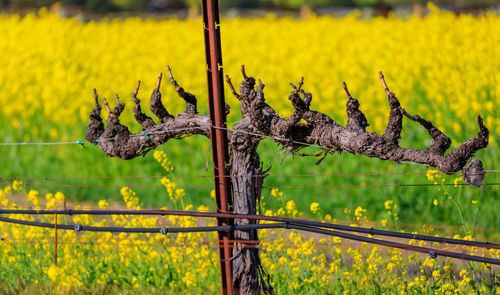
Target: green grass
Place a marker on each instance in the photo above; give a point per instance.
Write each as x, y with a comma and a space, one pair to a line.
192, 157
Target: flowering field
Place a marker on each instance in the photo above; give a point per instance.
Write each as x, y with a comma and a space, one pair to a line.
187, 263
443, 67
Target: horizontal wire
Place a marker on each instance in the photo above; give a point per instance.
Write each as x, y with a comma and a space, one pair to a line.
102, 185
432, 252
50, 240
169, 243
276, 138
178, 129
245, 175
174, 130
379, 185
415, 225
136, 245
97, 140
346, 222
264, 187
287, 220
120, 241
151, 133
37, 143
152, 230
340, 222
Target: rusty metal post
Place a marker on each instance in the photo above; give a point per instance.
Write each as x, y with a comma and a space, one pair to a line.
218, 137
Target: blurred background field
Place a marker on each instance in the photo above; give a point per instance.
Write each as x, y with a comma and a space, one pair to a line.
190, 7
442, 66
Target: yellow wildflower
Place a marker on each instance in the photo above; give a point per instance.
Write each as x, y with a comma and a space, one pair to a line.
103, 204
53, 272
431, 174
436, 274
276, 193
314, 207
17, 185
33, 197
388, 204
358, 212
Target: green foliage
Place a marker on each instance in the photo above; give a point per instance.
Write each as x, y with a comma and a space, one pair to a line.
106, 263
294, 4
264, 46
141, 5
300, 3
369, 2
131, 4
99, 5
77, 2
28, 3
239, 3
192, 3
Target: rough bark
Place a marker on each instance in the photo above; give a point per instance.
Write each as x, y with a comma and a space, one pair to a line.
321, 130
249, 276
260, 120
247, 179
117, 141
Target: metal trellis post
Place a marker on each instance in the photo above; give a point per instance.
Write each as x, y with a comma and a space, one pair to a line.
218, 137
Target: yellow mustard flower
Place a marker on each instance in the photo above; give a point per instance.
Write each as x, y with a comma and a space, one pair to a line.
314, 207
103, 204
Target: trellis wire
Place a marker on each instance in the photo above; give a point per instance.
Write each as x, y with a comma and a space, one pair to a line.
195, 128
80, 142
171, 245
378, 174
163, 230
287, 220
286, 225
264, 187
166, 243
174, 130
